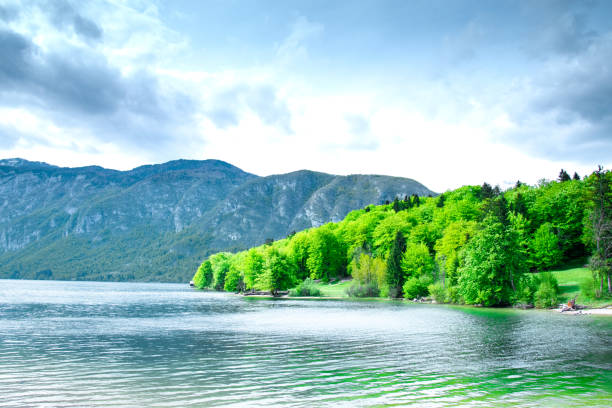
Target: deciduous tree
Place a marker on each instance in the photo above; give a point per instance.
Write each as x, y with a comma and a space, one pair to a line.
204, 275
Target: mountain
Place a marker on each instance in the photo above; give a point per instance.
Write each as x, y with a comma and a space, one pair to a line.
157, 222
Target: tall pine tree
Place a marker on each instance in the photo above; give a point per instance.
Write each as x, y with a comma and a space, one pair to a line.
486, 191
395, 274
563, 176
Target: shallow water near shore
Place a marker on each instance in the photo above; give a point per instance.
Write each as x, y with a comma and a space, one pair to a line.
65, 344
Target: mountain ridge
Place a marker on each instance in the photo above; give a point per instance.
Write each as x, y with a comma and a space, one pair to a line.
157, 222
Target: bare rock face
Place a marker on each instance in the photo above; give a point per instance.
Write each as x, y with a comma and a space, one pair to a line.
158, 222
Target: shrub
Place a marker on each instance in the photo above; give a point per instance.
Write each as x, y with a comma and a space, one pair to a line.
588, 288
546, 295
453, 296
527, 289
416, 287
438, 292
363, 290
306, 288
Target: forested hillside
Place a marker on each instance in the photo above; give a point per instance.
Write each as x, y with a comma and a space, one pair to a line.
157, 222
474, 245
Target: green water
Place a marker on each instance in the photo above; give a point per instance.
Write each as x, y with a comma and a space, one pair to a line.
75, 344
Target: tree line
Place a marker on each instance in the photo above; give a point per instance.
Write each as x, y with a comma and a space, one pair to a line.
472, 245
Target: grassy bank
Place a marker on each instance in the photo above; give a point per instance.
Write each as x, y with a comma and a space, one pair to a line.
335, 289
569, 287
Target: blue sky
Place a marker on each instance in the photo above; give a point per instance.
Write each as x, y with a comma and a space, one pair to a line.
445, 92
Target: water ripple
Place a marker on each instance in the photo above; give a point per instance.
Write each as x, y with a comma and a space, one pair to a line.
75, 344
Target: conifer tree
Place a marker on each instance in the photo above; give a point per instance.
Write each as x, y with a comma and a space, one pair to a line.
395, 274
563, 176
440, 202
486, 191
396, 205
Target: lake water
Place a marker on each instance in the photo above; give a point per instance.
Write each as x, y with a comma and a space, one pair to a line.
65, 344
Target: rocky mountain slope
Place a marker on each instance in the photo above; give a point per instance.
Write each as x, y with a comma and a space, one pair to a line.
157, 222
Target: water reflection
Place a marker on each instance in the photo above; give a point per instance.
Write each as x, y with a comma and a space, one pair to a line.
116, 344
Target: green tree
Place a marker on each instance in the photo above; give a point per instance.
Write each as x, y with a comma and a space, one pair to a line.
486, 191
395, 274
548, 289
326, 256
563, 176
298, 251
492, 263
253, 268
563, 205
497, 207
440, 202
397, 207
234, 281
385, 232
367, 269
417, 261
204, 275
279, 272
545, 250
416, 287
418, 267
220, 265
601, 226
454, 238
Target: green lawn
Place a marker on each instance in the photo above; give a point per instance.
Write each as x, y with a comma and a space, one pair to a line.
336, 289
569, 287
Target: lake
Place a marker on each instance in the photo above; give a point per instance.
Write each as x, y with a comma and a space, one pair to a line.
75, 344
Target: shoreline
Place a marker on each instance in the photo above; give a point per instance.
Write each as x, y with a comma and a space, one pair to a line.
584, 310
603, 311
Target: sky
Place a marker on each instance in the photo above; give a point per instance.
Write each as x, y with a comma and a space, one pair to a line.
445, 92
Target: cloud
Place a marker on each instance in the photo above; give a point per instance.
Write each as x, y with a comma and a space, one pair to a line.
361, 133
463, 45
230, 105
558, 27
64, 16
79, 88
86, 28
272, 110
76, 79
8, 137
15, 50
8, 13
293, 46
564, 112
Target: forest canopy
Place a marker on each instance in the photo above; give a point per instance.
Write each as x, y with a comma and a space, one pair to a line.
473, 245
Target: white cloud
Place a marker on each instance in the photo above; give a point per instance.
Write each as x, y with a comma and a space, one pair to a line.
269, 119
293, 48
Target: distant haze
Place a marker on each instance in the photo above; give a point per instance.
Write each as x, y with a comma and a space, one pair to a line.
444, 92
